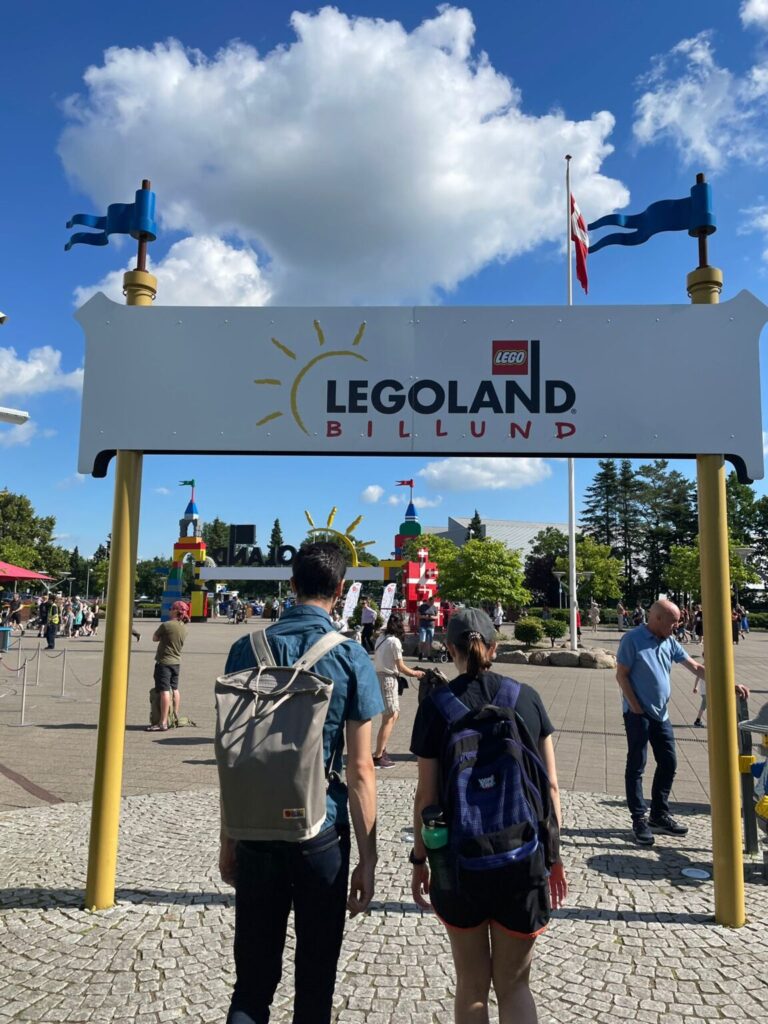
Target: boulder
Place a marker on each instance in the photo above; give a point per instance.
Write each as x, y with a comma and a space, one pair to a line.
538, 658
512, 657
596, 657
564, 659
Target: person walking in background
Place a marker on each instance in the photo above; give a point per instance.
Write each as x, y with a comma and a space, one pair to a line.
428, 613
169, 637
621, 616
594, 615
368, 622
493, 914
389, 664
498, 616
52, 624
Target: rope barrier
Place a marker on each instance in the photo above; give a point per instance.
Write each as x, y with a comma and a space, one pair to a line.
79, 680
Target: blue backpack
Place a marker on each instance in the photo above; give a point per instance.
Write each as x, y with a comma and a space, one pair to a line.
495, 789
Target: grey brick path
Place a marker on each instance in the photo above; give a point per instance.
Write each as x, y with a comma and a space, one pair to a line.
635, 941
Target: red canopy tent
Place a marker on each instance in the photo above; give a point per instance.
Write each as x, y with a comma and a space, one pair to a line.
15, 572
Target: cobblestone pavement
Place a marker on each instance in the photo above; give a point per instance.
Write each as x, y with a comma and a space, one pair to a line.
636, 940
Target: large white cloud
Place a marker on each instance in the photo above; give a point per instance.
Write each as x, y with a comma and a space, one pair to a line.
709, 113
469, 474
39, 373
200, 270
370, 163
754, 12
372, 493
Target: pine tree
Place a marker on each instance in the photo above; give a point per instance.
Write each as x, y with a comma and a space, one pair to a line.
475, 528
599, 515
667, 519
628, 514
276, 537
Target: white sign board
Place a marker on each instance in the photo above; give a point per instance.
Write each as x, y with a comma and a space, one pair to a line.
676, 380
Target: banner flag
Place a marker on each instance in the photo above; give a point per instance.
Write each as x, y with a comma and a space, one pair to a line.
694, 215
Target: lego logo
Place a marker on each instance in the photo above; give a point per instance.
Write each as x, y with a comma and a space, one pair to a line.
507, 358
510, 357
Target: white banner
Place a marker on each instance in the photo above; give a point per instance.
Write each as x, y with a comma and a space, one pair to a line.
353, 596
444, 380
387, 600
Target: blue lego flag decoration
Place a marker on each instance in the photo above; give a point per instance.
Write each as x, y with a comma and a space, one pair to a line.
693, 215
135, 219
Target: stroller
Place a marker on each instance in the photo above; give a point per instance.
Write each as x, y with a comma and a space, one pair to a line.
439, 652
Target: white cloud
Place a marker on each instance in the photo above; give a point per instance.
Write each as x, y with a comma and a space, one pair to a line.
372, 493
765, 443
370, 163
756, 220
19, 435
709, 113
199, 270
395, 499
162, 490
470, 474
39, 373
428, 502
76, 480
754, 12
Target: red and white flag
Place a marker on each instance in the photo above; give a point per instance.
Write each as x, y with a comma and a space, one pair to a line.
580, 239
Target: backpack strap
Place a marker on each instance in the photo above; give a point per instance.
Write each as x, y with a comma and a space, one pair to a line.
318, 650
507, 694
262, 652
449, 705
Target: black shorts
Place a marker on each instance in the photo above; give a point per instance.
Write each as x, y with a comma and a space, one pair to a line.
504, 895
166, 677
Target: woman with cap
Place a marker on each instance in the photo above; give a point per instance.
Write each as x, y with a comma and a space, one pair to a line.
492, 916
169, 637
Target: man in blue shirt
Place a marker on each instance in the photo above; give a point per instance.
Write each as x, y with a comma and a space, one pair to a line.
644, 662
311, 876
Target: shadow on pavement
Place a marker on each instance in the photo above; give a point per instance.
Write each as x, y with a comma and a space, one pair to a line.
181, 741
27, 898
69, 725
667, 866
660, 917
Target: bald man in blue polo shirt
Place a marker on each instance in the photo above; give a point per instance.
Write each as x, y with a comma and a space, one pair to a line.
644, 663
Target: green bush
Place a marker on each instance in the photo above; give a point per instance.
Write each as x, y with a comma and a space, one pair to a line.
758, 620
562, 614
528, 631
534, 613
554, 629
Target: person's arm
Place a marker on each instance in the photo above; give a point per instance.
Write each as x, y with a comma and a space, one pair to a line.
427, 792
700, 672
158, 633
622, 678
403, 669
558, 884
361, 781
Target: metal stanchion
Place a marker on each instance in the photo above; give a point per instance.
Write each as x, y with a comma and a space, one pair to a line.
63, 672
18, 655
39, 659
23, 695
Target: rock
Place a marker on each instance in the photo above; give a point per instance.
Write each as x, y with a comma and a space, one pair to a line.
564, 659
512, 657
596, 657
538, 658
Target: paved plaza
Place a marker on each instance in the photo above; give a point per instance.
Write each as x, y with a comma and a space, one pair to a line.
635, 940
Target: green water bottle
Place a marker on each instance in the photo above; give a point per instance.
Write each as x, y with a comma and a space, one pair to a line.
434, 830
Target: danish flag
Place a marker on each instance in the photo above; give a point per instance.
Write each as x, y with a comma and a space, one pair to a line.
580, 239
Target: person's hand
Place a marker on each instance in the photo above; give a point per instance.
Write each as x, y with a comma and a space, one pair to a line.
360, 889
558, 885
418, 673
227, 861
742, 691
635, 708
696, 686
420, 886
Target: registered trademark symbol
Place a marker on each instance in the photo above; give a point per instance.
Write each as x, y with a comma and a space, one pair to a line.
574, 411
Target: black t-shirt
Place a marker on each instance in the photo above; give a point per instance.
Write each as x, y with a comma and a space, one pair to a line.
429, 726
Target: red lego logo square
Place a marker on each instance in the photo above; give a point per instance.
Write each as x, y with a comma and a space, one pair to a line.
510, 358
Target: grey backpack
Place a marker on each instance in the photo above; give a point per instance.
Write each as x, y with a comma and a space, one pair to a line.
269, 745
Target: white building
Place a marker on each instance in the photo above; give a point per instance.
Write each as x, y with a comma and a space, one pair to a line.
518, 536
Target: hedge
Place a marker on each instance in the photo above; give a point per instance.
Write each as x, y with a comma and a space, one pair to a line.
528, 631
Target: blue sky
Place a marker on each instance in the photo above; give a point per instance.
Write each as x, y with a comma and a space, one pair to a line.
239, 115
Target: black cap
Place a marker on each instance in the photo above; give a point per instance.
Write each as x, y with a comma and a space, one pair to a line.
470, 620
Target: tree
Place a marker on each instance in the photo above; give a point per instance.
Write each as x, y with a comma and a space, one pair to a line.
483, 572
276, 537
605, 581
684, 573
78, 570
150, 576
216, 534
26, 539
667, 517
475, 528
548, 545
628, 513
742, 512
600, 512
441, 551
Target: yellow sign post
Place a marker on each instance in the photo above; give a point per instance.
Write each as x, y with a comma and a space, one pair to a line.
140, 289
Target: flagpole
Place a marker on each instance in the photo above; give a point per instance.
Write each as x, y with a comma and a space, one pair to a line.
571, 465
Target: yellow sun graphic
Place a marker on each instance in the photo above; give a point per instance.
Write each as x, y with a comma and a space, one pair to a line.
346, 539
331, 354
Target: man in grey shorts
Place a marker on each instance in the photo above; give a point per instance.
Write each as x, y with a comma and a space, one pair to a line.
169, 637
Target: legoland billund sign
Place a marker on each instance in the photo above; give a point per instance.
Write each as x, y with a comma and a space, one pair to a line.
676, 380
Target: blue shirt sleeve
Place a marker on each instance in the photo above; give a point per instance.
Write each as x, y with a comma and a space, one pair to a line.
626, 653
240, 656
365, 699
678, 651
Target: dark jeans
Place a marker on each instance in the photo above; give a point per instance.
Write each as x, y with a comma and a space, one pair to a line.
366, 638
272, 877
50, 635
642, 730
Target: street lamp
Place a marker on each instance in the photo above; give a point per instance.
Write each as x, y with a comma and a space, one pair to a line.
585, 574
13, 415
743, 552
559, 576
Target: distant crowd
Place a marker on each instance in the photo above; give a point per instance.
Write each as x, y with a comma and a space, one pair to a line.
52, 616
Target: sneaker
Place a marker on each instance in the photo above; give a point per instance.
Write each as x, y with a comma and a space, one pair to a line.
643, 834
383, 761
666, 823
698, 724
